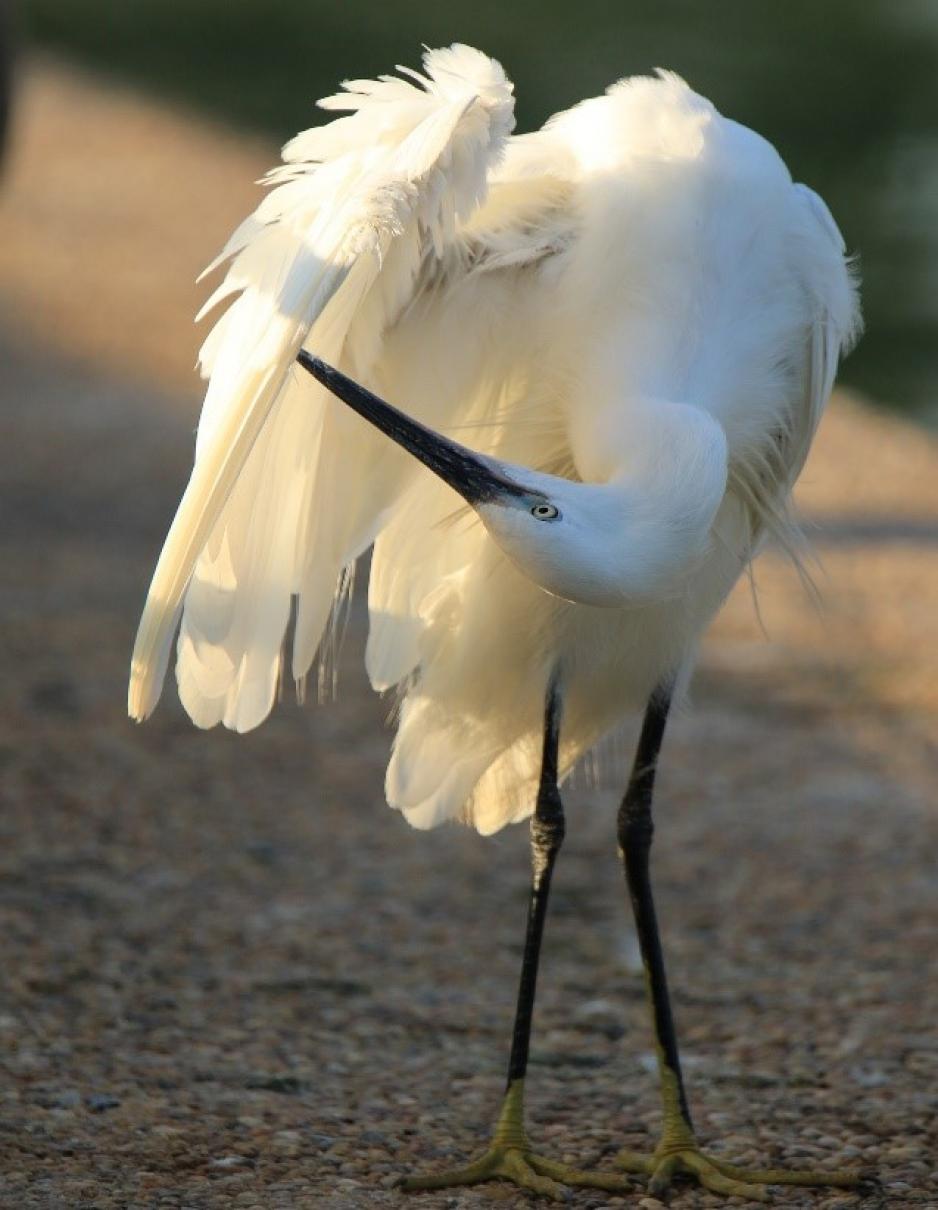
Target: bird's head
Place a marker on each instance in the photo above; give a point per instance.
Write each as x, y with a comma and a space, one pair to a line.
557, 533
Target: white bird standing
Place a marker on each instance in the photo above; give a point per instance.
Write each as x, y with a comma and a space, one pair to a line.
635, 317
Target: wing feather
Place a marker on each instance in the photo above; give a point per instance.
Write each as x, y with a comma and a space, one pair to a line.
284, 486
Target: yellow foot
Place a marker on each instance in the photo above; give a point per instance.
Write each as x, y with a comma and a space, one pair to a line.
511, 1158
720, 1177
523, 1168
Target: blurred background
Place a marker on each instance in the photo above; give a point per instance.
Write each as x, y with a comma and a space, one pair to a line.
848, 93
229, 972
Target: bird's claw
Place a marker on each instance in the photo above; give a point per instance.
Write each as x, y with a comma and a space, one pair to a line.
718, 1176
523, 1168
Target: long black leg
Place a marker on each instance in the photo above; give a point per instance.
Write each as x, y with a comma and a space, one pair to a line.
677, 1150
635, 831
510, 1156
547, 833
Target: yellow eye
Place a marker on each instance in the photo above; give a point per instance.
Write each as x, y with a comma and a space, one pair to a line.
545, 512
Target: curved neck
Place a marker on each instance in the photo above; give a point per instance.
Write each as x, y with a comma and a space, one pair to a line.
636, 536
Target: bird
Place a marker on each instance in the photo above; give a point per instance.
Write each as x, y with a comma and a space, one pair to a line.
560, 385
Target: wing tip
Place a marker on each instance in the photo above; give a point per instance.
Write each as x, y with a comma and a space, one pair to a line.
141, 699
468, 65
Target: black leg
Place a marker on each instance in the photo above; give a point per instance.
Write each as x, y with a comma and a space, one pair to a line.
677, 1151
547, 833
510, 1156
635, 831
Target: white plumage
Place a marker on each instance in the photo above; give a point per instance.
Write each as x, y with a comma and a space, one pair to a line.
635, 301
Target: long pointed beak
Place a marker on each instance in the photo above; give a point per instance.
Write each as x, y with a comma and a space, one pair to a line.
477, 479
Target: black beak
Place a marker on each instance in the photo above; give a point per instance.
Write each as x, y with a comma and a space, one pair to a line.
476, 478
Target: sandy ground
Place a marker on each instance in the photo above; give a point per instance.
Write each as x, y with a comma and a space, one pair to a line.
232, 977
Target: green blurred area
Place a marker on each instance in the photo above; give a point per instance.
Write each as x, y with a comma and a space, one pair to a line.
847, 92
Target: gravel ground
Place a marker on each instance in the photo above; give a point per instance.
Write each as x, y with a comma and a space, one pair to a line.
232, 977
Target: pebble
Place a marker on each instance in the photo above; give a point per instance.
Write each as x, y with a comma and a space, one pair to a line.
905, 1152
69, 1099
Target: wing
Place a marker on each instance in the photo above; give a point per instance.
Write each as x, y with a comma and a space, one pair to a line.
287, 487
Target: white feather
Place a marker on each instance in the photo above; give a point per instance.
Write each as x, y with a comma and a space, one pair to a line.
636, 299
314, 262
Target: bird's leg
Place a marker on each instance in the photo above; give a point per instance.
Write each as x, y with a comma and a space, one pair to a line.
677, 1150
510, 1157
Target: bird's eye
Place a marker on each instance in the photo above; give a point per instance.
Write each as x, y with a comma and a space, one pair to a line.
545, 512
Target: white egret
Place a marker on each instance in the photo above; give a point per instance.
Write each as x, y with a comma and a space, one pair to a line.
634, 317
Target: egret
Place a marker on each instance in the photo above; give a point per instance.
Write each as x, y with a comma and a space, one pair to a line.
608, 344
